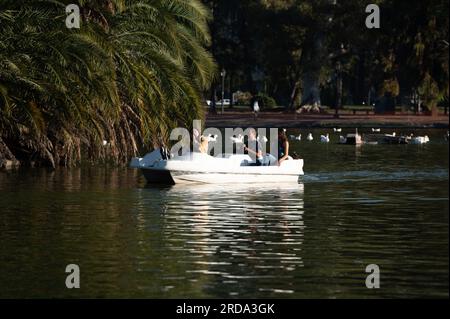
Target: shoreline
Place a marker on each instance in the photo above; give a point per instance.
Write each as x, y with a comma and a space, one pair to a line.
290, 120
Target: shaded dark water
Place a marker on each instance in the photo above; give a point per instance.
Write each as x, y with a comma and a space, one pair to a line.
384, 205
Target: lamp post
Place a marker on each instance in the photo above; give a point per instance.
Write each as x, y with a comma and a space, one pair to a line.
338, 89
339, 61
222, 74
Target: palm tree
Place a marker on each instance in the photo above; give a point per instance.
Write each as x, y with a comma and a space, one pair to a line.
133, 71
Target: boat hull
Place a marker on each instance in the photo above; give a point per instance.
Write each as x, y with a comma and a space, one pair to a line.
158, 177
183, 177
202, 168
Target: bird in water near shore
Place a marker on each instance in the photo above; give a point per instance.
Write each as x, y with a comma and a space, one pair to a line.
325, 138
296, 138
376, 130
419, 139
238, 140
262, 139
391, 135
309, 137
342, 139
337, 130
212, 138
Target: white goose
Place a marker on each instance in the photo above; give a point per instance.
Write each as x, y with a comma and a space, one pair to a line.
376, 130
212, 138
420, 139
309, 137
342, 139
238, 140
262, 139
325, 138
391, 135
337, 130
296, 138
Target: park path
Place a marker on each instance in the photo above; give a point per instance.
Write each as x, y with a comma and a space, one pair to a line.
289, 120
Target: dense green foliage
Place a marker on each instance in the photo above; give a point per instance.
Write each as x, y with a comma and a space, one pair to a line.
134, 70
287, 47
265, 101
137, 68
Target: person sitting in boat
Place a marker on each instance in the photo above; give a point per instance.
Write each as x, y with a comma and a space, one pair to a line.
283, 146
203, 148
196, 140
255, 153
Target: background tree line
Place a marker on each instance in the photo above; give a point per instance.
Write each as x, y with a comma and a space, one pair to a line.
138, 68
293, 50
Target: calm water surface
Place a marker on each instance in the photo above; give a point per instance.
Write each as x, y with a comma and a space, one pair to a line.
382, 204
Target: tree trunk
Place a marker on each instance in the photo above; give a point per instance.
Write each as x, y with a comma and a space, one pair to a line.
434, 111
311, 76
311, 90
230, 89
213, 109
294, 96
338, 102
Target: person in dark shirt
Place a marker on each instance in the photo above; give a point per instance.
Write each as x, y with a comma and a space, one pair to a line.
283, 147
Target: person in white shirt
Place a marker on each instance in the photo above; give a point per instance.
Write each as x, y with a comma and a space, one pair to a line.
255, 107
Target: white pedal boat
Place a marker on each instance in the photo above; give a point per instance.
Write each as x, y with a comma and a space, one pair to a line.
226, 168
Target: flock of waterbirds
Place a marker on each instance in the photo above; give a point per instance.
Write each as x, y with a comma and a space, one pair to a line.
325, 138
376, 133
408, 139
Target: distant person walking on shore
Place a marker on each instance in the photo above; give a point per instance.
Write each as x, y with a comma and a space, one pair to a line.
255, 106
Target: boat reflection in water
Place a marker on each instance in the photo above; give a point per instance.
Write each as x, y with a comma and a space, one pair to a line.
229, 235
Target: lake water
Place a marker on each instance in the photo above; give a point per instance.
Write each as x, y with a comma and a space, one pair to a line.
355, 206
